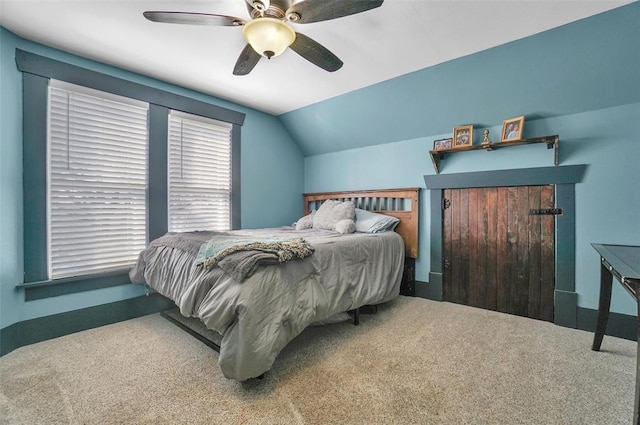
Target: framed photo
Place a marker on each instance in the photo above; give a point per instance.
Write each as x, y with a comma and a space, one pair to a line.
512, 129
442, 144
463, 136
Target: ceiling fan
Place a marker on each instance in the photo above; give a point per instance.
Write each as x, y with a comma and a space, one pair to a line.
268, 33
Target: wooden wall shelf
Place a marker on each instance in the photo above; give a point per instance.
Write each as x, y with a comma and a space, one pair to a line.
552, 142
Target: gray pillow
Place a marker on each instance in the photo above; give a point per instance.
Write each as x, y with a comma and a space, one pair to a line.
345, 226
305, 222
331, 212
370, 222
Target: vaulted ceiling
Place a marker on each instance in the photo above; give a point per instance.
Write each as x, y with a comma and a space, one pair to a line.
397, 38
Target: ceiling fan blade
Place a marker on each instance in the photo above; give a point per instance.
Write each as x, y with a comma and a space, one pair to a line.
309, 11
246, 61
193, 18
315, 53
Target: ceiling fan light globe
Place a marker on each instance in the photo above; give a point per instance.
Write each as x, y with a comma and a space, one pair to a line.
268, 36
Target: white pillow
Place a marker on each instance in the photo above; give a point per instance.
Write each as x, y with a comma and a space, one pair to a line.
345, 226
370, 222
331, 212
305, 222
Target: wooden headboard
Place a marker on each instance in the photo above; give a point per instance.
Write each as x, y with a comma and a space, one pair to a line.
400, 203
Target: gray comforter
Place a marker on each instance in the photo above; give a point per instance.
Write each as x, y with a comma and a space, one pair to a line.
258, 317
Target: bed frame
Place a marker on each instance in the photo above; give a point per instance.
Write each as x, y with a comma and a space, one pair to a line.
399, 203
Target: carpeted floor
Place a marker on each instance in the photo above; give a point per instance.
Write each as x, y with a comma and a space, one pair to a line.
414, 362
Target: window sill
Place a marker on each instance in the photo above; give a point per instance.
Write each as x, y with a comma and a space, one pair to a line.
72, 285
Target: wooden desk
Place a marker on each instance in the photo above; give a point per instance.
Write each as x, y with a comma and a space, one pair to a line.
623, 262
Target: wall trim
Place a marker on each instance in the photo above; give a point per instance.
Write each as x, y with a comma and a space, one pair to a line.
431, 290
50, 68
565, 308
43, 328
619, 325
564, 174
72, 285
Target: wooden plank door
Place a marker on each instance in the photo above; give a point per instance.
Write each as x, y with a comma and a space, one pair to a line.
496, 255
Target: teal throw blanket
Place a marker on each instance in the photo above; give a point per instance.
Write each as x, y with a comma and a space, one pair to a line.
220, 246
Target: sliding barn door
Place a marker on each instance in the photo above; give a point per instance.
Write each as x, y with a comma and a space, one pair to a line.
498, 254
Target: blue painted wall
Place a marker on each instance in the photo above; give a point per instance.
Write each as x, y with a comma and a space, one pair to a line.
271, 173
587, 65
581, 81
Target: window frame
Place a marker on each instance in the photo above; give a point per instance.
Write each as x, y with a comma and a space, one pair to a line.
37, 70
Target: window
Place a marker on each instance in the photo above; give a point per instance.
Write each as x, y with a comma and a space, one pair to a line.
97, 180
199, 173
79, 246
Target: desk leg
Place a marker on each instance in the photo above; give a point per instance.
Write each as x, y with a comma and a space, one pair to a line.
636, 406
606, 280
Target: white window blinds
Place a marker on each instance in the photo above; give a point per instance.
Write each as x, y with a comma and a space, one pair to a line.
97, 180
199, 173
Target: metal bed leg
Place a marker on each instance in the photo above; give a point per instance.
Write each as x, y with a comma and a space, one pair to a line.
191, 332
365, 309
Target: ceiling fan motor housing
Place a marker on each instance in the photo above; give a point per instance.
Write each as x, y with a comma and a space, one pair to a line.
271, 9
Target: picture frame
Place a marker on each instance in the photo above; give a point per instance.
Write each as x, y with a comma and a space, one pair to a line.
462, 136
442, 144
512, 129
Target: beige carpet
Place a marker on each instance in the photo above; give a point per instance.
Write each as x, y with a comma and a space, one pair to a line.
415, 362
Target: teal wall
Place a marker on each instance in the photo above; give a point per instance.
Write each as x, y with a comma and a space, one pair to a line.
587, 65
581, 81
607, 202
271, 173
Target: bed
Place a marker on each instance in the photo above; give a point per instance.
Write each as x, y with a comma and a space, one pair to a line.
259, 312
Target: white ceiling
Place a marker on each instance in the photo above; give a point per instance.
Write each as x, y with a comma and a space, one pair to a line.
399, 37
